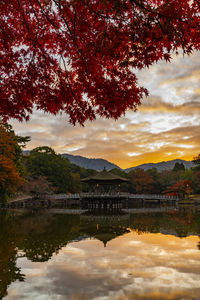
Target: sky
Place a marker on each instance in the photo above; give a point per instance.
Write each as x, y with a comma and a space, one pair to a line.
133, 266
165, 127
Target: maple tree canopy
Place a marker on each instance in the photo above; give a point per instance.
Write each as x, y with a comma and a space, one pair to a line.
79, 56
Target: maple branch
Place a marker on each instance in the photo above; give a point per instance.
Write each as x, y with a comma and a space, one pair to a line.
74, 23
35, 44
155, 11
27, 27
23, 16
46, 16
65, 21
100, 15
67, 76
100, 38
38, 28
140, 5
68, 27
34, 11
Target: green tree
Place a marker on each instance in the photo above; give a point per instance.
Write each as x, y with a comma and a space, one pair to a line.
178, 167
197, 183
156, 185
196, 161
168, 178
76, 183
192, 176
43, 161
84, 173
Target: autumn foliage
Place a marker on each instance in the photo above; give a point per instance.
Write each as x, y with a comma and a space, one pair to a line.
78, 56
181, 188
141, 181
10, 178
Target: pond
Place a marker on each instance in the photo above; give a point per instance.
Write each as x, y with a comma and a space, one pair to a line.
144, 254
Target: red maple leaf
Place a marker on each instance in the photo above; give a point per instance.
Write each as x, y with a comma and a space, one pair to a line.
78, 57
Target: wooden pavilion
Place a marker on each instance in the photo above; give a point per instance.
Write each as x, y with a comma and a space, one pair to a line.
104, 191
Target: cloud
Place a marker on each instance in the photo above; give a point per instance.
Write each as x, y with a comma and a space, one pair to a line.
132, 266
166, 121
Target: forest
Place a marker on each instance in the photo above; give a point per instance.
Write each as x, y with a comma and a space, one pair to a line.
44, 171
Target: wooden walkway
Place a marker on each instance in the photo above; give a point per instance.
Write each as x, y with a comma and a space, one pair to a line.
149, 210
79, 196
65, 199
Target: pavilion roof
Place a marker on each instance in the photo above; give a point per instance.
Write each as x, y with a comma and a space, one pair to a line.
104, 176
105, 228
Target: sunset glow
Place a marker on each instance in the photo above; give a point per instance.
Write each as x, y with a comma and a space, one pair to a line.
131, 266
165, 127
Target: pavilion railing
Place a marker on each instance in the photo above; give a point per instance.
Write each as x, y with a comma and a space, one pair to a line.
111, 195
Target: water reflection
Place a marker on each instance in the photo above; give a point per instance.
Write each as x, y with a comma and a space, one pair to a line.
147, 256
104, 228
9, 240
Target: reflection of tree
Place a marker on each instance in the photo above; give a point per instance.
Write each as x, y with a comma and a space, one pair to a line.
41, 235
9, 239
38, 235
198, 246
42, 242
145, 222
175, 223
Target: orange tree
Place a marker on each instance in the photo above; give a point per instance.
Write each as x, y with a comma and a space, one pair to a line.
141, 180
79, 56
181, 188
10, 167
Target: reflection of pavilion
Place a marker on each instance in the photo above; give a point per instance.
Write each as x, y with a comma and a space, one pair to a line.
105, 228
104, 192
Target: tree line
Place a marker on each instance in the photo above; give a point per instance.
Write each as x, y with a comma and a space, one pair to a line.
178, 181
44, 171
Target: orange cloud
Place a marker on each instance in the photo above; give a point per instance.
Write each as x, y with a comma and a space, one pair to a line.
166, 126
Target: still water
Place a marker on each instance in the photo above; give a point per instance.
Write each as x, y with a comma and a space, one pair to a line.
51, 255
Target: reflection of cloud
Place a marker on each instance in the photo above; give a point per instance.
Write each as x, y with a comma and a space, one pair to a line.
132, 266
154, 133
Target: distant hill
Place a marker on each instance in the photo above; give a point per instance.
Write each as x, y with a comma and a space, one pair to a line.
164, 165
97, 164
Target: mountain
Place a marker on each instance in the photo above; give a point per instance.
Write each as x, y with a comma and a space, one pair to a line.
164, 165
97, 164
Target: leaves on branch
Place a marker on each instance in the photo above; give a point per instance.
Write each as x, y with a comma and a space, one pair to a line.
78, 57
